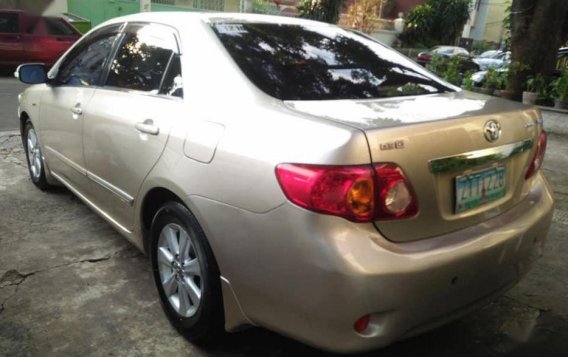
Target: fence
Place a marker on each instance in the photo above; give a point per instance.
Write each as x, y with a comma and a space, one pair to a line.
102, 10
181, 5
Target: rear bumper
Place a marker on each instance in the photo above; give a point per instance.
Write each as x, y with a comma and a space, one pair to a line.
311, 276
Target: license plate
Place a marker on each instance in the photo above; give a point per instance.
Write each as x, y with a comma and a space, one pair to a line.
479, 188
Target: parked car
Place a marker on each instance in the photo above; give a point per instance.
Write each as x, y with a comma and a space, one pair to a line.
468, 65
425, 57
289, 174
29, 38
480, 76
493, 59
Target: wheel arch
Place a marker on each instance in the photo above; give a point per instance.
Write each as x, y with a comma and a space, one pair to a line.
151, 203
155, 198
23, 118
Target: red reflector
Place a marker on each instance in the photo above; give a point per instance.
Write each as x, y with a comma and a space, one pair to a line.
362, 324
538, 158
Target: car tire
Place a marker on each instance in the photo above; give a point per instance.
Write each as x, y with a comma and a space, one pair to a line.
192, 303
34, 157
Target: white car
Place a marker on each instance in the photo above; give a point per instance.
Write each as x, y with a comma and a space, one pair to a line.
492, 59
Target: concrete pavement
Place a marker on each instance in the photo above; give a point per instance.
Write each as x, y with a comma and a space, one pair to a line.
70, 285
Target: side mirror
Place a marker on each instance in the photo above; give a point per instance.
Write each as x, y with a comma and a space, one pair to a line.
33, 73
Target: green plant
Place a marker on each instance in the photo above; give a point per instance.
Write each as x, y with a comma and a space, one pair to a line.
535, 84
436, 22
453, 69
437, 65
468, 83
559, 87
494, 79
362, 14
481, 46
261, 7
320, 10
511, 70
447, 68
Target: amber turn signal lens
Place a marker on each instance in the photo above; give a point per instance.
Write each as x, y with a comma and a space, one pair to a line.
360, 197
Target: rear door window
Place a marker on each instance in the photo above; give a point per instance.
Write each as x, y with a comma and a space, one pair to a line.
314, 62
9, 22
142, 60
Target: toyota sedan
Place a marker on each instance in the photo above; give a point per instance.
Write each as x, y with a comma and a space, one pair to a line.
290, 174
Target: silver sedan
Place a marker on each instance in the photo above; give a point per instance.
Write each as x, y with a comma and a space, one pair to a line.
290, 174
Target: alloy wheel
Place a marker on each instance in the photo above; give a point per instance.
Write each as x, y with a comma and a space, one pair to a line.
34, 154
180, 272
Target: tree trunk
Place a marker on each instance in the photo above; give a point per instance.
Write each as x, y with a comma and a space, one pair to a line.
538, 29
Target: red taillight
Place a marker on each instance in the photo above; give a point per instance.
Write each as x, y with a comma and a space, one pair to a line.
345, 191
424, 56
538, 158
359, 193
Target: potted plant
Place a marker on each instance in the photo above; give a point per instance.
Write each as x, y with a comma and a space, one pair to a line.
491, 82
468, 83
511, 70
559, 89
534, 88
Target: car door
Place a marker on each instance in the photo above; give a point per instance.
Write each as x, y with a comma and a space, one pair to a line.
11, 45
65, 102
128, 126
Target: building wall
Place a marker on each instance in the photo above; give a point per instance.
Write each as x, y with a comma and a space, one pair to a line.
487, 20
35, 6
494, 29
392, 7
232, 6
56, 8
405, 6
99, 11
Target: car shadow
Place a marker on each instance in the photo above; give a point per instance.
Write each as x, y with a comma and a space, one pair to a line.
491, 331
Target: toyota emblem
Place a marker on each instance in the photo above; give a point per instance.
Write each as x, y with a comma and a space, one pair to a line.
492, 131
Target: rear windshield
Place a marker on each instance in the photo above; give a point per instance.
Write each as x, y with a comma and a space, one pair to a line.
293, 62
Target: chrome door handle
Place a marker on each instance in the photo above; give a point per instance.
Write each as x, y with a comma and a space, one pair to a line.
77, 110
147, 127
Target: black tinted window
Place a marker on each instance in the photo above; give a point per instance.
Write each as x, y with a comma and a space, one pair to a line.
49, 26
9, 23
142, 58
85, 67
292, 62
57, 27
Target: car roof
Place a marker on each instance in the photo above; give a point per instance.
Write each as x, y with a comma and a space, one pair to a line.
180, 19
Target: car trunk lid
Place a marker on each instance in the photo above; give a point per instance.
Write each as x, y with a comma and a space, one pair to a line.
440, 143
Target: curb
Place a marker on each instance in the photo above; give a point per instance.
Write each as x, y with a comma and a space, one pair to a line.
551, 109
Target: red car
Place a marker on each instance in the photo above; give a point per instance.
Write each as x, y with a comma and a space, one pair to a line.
28, 38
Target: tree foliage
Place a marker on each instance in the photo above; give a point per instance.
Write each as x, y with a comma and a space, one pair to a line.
321, 10
436, 22
362, 14
538, 29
